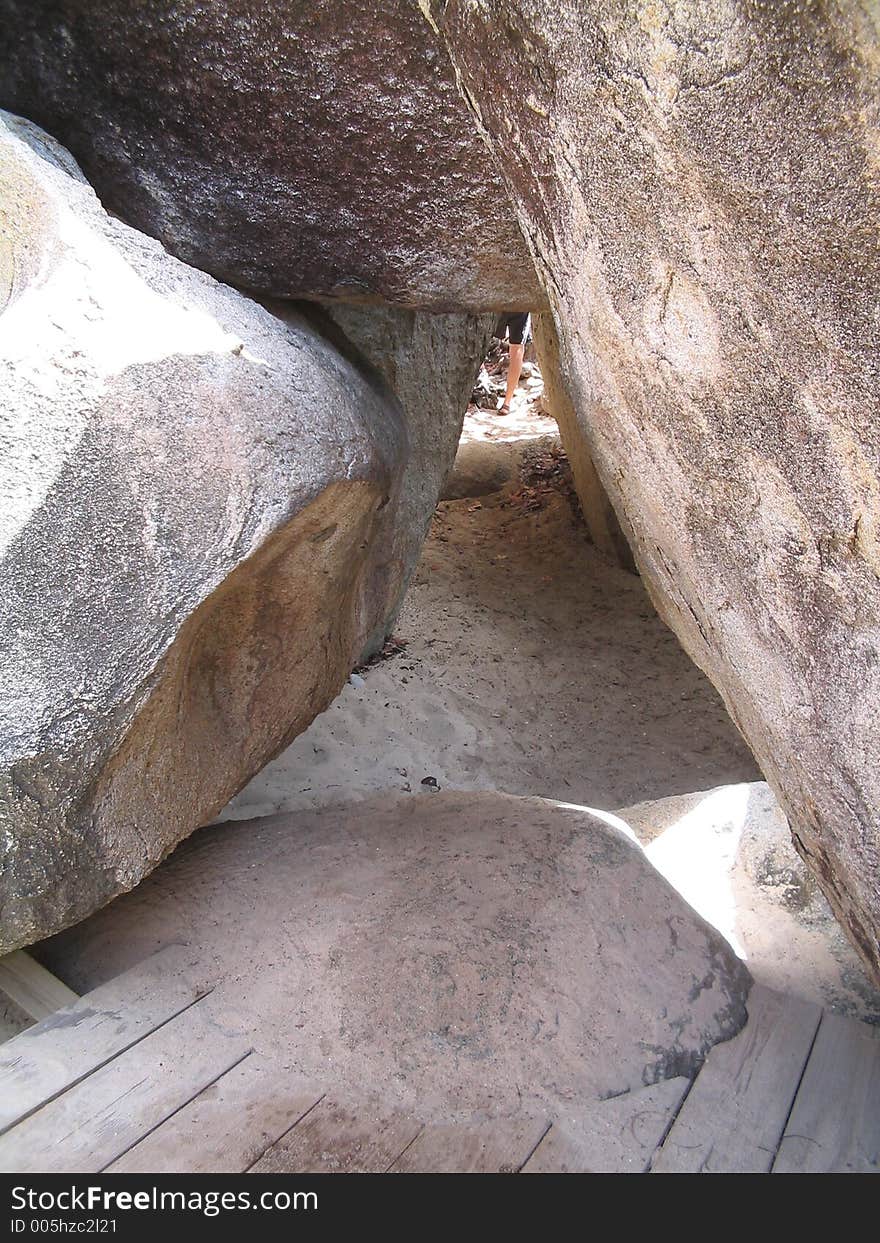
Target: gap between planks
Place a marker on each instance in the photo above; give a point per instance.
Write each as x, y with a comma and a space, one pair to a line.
734, 1115
96, 1121
46, 1060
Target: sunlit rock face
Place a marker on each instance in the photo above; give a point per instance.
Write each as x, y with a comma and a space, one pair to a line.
305, 148
188, 498
699, 184
729, 853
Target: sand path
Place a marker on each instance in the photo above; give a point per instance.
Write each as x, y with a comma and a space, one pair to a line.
531, 666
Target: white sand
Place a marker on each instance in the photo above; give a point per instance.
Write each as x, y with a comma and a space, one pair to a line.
532, 666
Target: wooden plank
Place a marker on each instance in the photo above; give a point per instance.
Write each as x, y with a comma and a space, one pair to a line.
228, 1126
334, 1138
617, 1136
499, 1147
13, 1020
44, 1060
94, 1123
734, 1116
37, 991
835, 1123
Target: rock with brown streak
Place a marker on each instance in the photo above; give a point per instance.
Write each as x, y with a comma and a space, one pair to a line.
189, 491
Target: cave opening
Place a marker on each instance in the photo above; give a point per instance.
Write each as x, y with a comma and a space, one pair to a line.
510, 876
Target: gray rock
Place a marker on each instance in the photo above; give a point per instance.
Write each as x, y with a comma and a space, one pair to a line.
699, 188
305, 148
189, 490
471, 954
429, 361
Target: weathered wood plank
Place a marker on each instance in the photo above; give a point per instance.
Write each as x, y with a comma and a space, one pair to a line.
617, 1136
228, 1126
44, 1060
37, 991
736, 1111
334, 1138
94, 1123
835, 1123
489, 1148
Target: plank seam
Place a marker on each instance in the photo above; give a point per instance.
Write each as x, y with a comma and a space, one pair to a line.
284, 1134
404, 1149
225, 1071
37, 1013
796, 1091
649, 1164
535, 1147
100, 1065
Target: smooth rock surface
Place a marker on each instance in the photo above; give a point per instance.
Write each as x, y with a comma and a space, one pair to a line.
467, 955
188, 492
728, 852
700, 193
305, 148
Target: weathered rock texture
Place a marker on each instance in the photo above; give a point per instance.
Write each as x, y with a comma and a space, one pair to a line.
596, 507
189, 493
292, 148
464, 954
429, 362
699, 186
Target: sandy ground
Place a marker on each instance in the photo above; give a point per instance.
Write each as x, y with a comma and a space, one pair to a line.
534, 667
531, 666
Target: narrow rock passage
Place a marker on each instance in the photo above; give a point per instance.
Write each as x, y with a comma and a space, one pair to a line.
530, 666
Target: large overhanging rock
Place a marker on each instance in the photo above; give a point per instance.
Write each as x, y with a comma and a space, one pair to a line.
294, 148
189, 488
599, 515
700, 188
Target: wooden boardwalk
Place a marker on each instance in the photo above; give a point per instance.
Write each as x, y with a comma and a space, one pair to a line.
135, 1077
